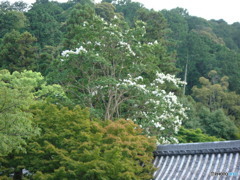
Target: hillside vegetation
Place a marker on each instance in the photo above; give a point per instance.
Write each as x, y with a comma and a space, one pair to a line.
89, 89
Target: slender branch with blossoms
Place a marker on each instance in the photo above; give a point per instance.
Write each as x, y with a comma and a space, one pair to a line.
158, 112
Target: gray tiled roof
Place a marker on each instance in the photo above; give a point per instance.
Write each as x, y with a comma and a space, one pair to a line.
198, 161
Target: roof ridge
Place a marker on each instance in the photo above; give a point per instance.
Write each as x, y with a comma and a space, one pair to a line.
199, 148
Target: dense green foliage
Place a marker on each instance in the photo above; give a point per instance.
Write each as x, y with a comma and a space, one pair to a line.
116, 60
16, 97
18, 91
18, 52
11, 20
203, 46
194, 135
45, 23
71, 146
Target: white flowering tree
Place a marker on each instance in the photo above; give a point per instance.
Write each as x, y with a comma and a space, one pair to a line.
157, 111
99, 72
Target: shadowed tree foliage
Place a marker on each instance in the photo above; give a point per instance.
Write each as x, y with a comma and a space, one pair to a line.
11, 20
45, 19
18, 51
176, 20
217, 124
16, 6
128, 9
195, 135
106, 11
156, 24
80, 15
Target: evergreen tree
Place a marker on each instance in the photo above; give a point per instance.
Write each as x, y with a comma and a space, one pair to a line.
45, 18
18, 51
11, 20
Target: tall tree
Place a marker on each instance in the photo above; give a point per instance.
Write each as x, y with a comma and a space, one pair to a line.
176, 19
106, 11
95, 70
128, 8
198, 53
18, 51
45, 22
11, 20
228, 63
156, 24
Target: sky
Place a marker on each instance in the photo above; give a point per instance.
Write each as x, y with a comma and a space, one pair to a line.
207, 9
229, 10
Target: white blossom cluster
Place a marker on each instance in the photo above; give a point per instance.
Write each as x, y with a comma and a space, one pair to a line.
153, 43
124, 44
110, 29
85, 23
77, 51
162, 78
133, 82
161, 109
163, 140
96, 89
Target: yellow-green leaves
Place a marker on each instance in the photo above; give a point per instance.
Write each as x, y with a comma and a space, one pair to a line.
18, 91
71, 146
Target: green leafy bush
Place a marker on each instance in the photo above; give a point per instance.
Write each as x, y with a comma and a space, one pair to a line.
194, 135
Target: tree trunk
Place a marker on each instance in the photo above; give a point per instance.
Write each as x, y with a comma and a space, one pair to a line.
185, 76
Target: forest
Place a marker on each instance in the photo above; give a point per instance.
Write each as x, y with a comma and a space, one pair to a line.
88, 90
